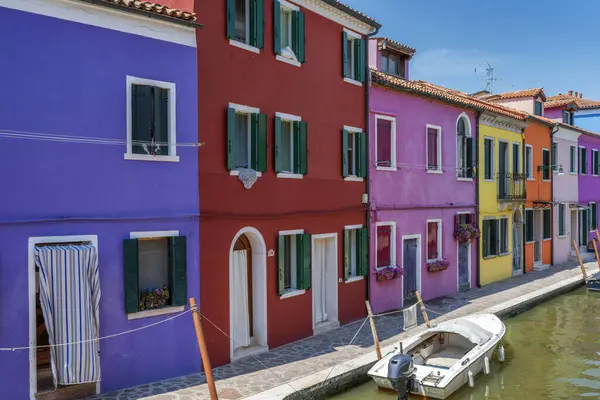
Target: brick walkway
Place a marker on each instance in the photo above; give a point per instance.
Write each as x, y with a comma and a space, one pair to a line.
295, 360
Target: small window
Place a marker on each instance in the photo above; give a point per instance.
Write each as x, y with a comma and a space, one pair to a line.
246, 139
293, 262
568, 117
594, 216
555, 157
561, 220
490, 237
488, 158
503, 235
353, 56
573, 159
385, 246
289, 31
434, 243
583, 161
290, 146
516, 158
240, 25
528, 226
434, 155
385, 141
393, 64
546, 164
595, 162
539, 108
354, 157
547, 227
356, 253
155, 273
464, 148
528, 162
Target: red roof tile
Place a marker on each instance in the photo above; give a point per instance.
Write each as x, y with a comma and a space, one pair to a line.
534, 92
397, 45
151, 7
561, 99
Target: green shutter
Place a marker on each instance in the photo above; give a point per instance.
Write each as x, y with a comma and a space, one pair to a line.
276, 28
470, 161
359, 60
161, 121
362, 245
347, 253
230, 19
277, 143
345, 161
258, 155
141, 129
281, 265
484, 235
298, 38
301, 147
362, 155
230, 137
131, 278
178, 270
257, 23
303, 260
345, 66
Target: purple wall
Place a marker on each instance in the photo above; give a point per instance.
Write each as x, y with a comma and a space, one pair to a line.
70, 79
589, 185
553, 113
410, 195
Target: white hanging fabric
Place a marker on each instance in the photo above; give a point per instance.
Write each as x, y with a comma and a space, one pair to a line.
323, 280
241, 319
410, 317
317, 272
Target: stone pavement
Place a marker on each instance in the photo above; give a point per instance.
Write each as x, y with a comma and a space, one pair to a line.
281, 365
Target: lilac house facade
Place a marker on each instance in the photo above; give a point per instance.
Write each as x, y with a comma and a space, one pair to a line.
100, 195
422, 149
588, 185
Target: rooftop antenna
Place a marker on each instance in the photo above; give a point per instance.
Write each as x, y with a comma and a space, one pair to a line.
489, 78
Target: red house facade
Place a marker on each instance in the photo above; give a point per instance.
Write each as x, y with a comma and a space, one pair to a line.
282, 172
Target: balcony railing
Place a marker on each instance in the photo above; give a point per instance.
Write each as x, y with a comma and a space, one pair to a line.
511, 186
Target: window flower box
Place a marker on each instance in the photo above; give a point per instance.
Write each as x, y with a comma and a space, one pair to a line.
388, 273
465, 233
438, 265
154, 298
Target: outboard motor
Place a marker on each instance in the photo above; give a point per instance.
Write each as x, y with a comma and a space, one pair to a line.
400, 371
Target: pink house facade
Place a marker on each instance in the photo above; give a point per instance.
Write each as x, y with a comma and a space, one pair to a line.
422, 186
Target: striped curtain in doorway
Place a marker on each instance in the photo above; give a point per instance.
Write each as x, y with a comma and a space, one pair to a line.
69, 297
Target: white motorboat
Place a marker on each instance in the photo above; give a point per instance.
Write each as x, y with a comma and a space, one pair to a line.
440, 360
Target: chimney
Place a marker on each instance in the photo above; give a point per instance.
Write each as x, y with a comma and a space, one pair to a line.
571, 93
576, 94
581, 95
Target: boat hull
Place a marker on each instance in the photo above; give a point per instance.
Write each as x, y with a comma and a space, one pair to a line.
593, 282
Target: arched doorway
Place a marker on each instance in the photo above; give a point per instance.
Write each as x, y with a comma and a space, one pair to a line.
247, 294
517, 266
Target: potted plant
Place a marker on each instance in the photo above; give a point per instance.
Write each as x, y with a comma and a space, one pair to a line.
388, 273
438, 265
154, 298
465, 233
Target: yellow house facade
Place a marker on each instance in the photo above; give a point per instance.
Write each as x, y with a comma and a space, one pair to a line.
501, 192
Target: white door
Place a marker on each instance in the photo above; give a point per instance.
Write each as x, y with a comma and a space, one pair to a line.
324, 281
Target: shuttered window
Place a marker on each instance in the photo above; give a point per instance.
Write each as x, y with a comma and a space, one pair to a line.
354, 154
356, 253
150, 120
594, 215
246, 140
490, 237
503, 235
433, 149
528, 226
561, 220
288, 31
293, 263
595, 161
291, 146
547, 223
583, 161
555, 157
353, 57
153, 266
488, 158
546, 164
465, 150
572, 159
539, 108
245, 22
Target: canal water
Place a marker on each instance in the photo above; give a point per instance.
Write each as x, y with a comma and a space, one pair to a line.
552, 352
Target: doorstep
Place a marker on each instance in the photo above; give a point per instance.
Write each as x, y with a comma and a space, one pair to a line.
541, 267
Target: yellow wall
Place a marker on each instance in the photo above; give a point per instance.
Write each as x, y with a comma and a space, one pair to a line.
495, 268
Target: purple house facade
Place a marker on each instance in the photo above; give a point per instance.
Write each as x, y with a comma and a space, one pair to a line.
98, 148
588, 185
422, 186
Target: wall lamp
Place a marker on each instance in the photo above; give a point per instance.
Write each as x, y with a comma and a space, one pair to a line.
559, 168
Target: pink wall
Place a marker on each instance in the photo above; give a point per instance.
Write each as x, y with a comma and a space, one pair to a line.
437, 196
553, 113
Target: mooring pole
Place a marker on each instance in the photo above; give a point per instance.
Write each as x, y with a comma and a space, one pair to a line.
423, 310
580, 261
203, 351
596, 251
373, 330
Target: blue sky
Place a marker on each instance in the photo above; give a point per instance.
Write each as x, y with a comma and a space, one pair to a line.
529, 43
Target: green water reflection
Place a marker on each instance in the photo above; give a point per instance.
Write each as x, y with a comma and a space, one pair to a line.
552, 352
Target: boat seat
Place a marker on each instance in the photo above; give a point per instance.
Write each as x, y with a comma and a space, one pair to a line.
446, 357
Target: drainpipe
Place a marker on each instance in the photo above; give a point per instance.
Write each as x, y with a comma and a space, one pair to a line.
552, 132
368, 172
523, 241
478, 251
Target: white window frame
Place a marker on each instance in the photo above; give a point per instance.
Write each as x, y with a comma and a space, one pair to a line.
491, 218
468, 134
391, 224
290, 118
549, 164
529, 161
393, 133
245, 45
439, 168
241, 109
492, 165
597, 161
352, 36
352, 277
541, 107
438, 239
579, 160
554, 166
565, 213
163, 310
353, 130
292, 292
506, 236
170, 86
573, 159
287, 54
